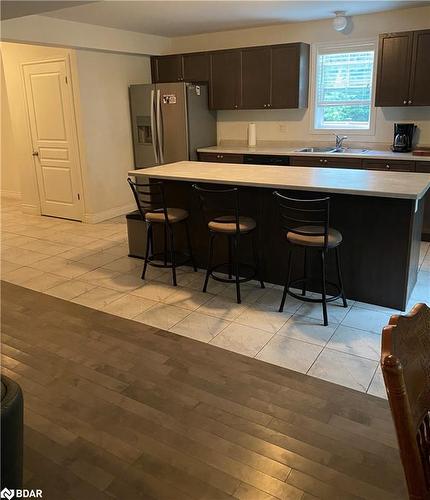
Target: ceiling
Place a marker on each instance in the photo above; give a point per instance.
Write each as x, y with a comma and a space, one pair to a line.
178, 18
10, 9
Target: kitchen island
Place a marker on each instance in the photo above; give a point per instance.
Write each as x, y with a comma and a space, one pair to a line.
378, 213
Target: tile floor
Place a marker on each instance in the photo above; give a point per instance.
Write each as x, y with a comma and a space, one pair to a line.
88, 264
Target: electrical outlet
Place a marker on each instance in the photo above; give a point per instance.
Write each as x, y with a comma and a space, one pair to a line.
282, 128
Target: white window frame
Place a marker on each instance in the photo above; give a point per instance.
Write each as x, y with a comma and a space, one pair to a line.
357, 45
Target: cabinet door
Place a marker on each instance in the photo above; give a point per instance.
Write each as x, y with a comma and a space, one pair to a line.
221, 157
395, 165
290, 76
196, 67
168, 69
225, 79
256, 78
394, 67
307, 161
424, 166
419, 94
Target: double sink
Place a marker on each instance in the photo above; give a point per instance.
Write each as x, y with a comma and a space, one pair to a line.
330, 149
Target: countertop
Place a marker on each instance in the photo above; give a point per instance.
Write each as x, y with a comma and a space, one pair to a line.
406, 185
292, 151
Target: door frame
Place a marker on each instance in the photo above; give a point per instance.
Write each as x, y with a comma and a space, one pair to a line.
74, 101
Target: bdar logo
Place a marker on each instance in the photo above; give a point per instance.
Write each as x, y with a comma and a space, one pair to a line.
6, 493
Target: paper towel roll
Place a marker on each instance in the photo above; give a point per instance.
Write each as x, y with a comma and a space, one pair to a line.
252, 135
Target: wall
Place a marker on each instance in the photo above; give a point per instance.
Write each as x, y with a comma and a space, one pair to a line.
103, 85
10, 178
281, 125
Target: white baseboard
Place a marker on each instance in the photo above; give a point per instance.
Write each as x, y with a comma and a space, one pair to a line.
30, 209
12, 195
108, 214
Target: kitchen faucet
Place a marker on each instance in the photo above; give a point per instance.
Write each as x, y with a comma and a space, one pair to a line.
339, 140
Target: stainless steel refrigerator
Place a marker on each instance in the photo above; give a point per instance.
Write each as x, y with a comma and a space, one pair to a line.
169, 122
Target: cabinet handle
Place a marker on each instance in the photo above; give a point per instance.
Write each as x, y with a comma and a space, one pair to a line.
325, 161
387, 166
321, 160
410, 101
405, 102
264, 105
268, 105
235, 106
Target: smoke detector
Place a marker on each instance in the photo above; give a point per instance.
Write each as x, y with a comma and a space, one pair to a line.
340, 22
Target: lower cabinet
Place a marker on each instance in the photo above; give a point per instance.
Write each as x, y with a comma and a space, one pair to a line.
394, 165
325, 161
221, 157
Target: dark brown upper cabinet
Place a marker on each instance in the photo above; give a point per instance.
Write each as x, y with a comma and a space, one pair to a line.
402, 74
290, 75
196, 67
255, 89
419, 92
271, 76
167, 69
225, 77
275, 76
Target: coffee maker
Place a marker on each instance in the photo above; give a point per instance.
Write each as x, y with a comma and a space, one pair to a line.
403, 134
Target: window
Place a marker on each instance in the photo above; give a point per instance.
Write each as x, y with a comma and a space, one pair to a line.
343, 89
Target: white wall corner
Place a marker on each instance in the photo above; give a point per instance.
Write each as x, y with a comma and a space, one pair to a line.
108, 214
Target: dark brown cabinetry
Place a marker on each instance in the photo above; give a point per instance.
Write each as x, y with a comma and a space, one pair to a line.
196, 67
403, 77
424, 166
225, 79
325, 161
420, 76
289, 75
272, 76
167, 69
221, 157
394, 165
256, 78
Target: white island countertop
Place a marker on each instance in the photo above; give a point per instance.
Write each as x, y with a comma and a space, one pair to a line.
406, 185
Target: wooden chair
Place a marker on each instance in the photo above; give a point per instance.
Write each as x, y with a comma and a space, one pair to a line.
405, 362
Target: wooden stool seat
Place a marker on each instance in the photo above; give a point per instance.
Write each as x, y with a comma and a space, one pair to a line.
227, 224
306, 239
173, 214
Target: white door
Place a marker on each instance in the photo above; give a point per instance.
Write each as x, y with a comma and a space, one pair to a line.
54, 138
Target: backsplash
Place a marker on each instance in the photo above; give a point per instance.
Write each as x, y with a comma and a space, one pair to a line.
294, 125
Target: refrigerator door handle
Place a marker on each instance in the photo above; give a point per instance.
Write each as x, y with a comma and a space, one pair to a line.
160, 127
153, 128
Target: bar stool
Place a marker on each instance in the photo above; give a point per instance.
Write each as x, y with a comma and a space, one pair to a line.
306, 224
151, 203
221, 210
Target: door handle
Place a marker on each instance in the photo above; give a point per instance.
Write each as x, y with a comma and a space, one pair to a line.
35, 153
153, 129
160, 127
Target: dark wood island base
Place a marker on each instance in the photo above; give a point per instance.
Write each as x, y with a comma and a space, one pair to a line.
380, 248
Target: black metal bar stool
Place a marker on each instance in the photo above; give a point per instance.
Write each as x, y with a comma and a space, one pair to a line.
221, 211
306, 224
151, 203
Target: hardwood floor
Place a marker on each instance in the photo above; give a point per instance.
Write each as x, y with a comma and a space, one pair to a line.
117, 409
